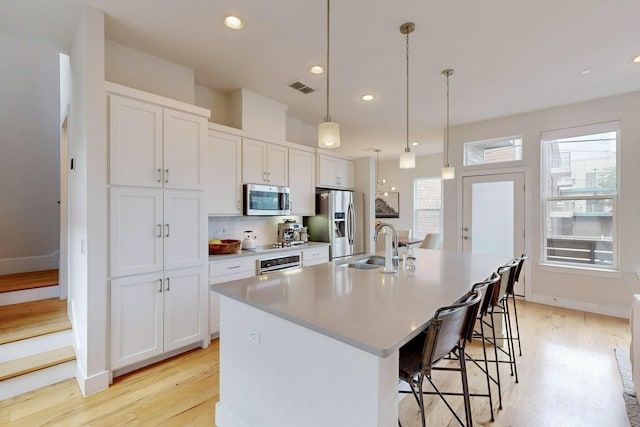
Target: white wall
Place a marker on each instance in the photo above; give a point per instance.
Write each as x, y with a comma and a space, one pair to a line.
301, 132
134, 68
88, 204
29, 168
596, 292
214, 101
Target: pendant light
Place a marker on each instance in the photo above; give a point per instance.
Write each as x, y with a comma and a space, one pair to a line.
407, 159
448, 172
328, 131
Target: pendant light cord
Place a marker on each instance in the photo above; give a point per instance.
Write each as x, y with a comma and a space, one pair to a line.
407, 91
447, 139
328, 117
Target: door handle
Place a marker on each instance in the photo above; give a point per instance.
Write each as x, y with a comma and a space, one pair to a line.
465, 237
166, 175
167, 229
159, 230
159, 175
160, 287
168, 284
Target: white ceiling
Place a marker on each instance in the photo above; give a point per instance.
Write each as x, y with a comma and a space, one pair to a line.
509, 56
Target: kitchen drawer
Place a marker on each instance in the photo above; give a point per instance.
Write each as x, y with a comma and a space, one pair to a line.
313, 256
232, 269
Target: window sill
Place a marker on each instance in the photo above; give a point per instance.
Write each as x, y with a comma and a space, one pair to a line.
581, 271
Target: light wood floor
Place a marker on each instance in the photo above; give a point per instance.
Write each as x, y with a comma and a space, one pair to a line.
34, 318
568, 377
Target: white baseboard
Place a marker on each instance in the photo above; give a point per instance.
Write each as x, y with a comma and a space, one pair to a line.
607, 310
25, 295
31, 263
93, 384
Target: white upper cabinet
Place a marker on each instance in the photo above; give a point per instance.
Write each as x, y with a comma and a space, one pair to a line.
223, 174
184, 150
152, 146
264, 163
302, 182
335, 172
135, 142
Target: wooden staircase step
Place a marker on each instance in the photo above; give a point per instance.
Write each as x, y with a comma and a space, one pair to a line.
32, 319
36, 362
31, 280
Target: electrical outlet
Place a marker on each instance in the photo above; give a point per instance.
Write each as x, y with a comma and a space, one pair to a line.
254, 337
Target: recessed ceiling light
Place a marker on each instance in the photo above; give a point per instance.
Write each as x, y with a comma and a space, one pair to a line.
233, 22
415, 143
636, 59
317, 69
585, 71
367, 97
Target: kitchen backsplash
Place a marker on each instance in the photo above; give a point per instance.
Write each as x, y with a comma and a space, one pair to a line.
264, 228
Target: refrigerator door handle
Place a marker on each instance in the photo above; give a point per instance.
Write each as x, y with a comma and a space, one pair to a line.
350, 224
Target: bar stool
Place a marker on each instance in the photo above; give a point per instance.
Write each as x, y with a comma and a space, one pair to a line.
447, 332
486, 289
500, 306
513, 295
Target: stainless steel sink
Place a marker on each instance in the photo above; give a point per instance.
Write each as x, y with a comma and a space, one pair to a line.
362, 266
368, 263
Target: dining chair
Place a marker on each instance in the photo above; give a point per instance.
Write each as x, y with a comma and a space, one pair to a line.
446, 333
431, 241
403, 234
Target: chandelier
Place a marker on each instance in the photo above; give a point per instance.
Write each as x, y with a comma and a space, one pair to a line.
382, 189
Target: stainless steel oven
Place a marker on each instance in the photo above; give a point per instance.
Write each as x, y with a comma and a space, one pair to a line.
266, 200
277, 263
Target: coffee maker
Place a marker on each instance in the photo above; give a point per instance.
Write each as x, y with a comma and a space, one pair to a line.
291, 233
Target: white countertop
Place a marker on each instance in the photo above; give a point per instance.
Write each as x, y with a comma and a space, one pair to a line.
368, 309
260, 252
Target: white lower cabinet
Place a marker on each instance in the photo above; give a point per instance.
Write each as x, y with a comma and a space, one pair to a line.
155, 313
316, 255
225, 270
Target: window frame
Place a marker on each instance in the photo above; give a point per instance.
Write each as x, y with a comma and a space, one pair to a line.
489, 141
415, 204
575, 132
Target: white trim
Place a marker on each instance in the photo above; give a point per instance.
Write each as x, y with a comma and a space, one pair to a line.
30, 263
581, 271
606, 310
155, 99
580, 130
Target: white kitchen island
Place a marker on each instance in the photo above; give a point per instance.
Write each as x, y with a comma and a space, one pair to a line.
318, 346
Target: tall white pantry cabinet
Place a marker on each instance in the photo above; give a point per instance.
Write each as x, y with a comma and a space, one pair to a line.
157, 225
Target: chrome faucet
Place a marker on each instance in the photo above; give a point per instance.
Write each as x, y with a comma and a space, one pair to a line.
394, 258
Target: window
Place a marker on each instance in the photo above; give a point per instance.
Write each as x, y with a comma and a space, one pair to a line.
427, 202
580, 190
493, 151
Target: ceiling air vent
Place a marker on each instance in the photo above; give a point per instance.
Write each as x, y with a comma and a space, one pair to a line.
301, 87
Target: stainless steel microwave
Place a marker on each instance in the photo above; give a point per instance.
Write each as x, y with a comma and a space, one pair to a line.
266, 200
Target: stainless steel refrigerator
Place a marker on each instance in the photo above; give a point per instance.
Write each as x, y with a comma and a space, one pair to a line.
339, 221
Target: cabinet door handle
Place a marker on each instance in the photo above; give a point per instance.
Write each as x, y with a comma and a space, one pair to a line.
159, 175
159, 230
167, 228
160, 287
268, 176
168, 285
166, 175
233, 267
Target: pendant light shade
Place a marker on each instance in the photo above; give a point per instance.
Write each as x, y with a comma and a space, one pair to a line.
407, 159
448, 172
328, 135
328, 131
